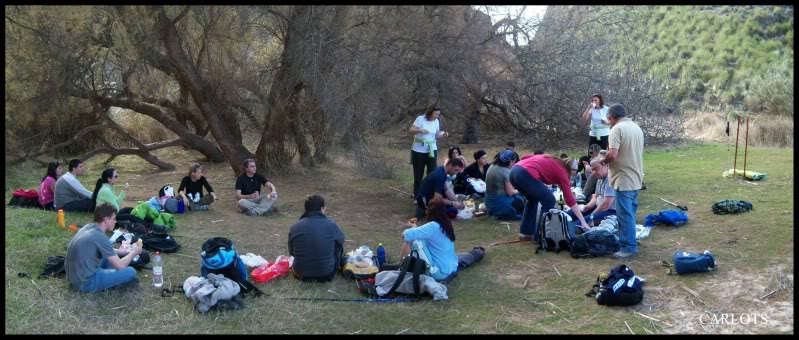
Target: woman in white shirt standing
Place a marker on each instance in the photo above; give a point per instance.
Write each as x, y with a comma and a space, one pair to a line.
597, 118
426, 131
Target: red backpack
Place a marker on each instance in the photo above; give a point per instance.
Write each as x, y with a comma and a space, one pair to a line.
23, 193
25, 199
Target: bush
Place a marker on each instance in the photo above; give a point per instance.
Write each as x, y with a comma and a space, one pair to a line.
772, 92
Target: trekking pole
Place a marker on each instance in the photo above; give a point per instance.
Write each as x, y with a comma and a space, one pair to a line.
735, 162
384, 300
746, 145
404, 192
508, 242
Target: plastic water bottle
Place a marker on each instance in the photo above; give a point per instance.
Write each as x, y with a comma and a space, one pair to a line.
381, 254
158, 270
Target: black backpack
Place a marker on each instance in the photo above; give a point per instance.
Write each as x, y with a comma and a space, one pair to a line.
553, 229
160, 242
621, 287
595, 243
54, 267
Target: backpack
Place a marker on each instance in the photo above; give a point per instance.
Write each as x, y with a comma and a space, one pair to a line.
160, 241
554, 231
687, 263
731, 207
166, 219
219, 256
621, 287
595, 243
54, 267
167, 191
25, 199
673, 218
413, 263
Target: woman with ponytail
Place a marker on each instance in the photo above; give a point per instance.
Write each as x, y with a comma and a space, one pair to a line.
104, 192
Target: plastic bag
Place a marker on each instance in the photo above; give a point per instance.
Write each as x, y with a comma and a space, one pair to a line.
272, 270
361, 251
477, 184
253, 261
466, 213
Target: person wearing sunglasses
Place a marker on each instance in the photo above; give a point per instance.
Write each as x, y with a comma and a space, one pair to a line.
104, 192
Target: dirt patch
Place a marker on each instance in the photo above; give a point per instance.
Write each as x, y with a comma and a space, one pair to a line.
731, 303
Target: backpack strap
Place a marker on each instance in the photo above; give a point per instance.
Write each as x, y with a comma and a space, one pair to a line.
418, 269
406, 262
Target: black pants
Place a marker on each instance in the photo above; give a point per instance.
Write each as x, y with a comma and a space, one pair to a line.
419, 161
603, 141
82, 205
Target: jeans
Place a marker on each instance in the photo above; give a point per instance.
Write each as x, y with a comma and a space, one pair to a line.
507, 208
535, 192
260, 205
107, 277
626, 210
81, 205
205, 200
419, 161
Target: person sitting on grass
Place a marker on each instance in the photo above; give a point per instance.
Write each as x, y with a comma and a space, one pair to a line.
69, 193
47, 186
92, 264
502, 200
602, 202
435, 185
316, 242
191, 190
104, 192
436, 239
248, 192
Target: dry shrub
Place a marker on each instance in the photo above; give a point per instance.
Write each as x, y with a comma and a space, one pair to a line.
764, 130
144, 128
375, 161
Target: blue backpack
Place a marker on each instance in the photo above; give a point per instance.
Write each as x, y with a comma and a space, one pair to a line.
674, 218
219, 256
687, 263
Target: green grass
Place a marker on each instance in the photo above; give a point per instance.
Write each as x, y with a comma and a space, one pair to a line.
512, 290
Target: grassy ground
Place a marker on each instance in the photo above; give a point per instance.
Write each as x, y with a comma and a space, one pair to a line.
512, 290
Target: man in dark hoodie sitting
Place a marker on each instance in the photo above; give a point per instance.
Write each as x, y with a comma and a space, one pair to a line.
316, 242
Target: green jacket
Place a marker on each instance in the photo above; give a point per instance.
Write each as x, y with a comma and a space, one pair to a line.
106, 195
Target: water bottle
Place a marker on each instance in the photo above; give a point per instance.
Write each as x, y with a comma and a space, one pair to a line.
60, 219
381, 255
158, 271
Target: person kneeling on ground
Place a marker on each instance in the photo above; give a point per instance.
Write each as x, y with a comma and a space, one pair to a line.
502, 200
436, 239
191, 190
92, 264
435, 185
602, 203
316, 242
248, 192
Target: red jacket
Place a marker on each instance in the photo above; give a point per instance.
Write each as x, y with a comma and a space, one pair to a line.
550, 171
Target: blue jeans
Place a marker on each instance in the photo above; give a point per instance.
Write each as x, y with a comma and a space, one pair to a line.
626, 210
106, 277
502, 207
535, 192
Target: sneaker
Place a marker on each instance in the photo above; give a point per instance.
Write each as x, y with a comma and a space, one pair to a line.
250, 212
622, 255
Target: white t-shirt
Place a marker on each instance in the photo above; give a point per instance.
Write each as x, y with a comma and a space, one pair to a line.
432, 129
597, 115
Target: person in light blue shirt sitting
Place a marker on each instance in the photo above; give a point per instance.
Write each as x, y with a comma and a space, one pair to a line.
435, 241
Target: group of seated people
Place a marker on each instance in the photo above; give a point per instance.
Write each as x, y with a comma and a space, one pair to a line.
317, 242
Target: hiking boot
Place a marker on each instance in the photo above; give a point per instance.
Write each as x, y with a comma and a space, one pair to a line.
250, 212
622, 255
